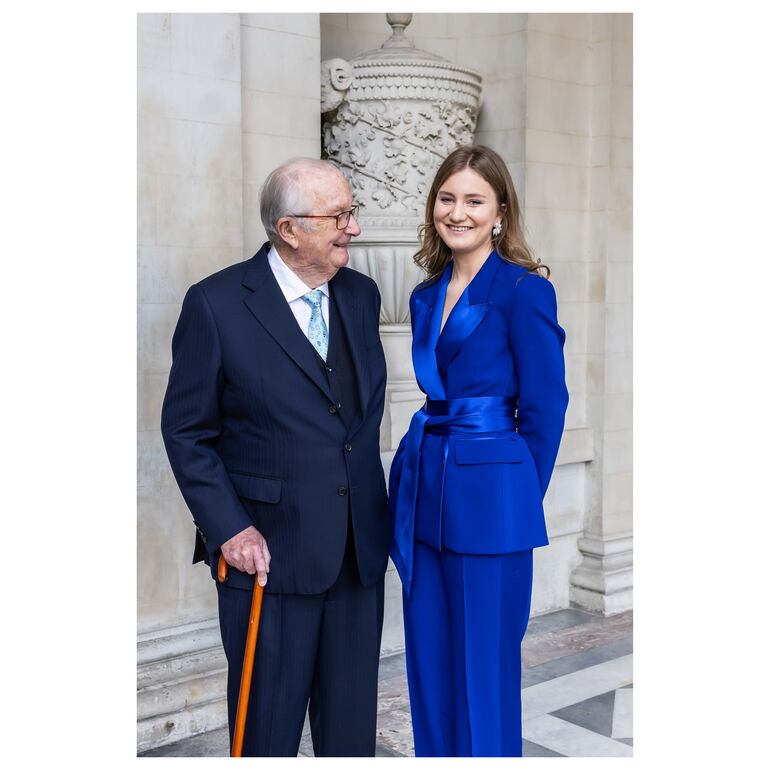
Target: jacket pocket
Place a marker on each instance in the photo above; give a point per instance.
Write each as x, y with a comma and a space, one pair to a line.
488, 450
262, 488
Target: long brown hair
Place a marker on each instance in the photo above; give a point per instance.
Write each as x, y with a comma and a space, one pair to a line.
434, 254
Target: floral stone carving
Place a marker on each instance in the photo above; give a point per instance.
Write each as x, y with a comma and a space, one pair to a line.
391, 123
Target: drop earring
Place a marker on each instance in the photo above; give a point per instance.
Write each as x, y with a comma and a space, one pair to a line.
497, 229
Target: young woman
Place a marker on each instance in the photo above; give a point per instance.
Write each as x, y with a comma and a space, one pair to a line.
468, 479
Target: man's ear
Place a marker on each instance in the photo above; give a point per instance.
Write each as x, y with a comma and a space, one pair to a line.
287, 229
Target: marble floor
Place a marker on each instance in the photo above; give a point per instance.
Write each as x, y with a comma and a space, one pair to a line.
577, 691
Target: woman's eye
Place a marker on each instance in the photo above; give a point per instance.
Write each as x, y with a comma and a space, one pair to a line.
445, 200
475, 203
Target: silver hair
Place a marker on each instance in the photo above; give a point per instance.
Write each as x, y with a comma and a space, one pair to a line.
283, 193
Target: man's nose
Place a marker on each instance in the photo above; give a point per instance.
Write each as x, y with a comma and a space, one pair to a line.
353, 229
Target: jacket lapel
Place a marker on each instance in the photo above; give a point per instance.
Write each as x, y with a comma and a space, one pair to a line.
351, 319
428, 309
268, 305
467, 314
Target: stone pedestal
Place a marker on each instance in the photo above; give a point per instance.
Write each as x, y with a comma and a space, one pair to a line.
604, 580
181, 683
386, 255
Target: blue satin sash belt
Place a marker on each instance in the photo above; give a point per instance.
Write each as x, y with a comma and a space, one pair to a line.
483, 414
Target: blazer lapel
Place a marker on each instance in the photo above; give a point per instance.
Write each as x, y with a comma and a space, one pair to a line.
268, 305
467, 314
428, 309
352, 321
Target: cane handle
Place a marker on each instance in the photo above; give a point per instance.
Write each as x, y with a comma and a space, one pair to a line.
222, 569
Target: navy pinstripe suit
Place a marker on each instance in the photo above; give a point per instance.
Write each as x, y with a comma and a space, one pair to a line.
260, 431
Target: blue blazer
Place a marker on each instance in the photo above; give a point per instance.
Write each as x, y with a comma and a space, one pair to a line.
471, 473
254, 434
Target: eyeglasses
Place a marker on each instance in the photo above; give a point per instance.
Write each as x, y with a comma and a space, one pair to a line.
343, 218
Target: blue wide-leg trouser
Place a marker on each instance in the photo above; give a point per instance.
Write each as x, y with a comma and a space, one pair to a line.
464, 622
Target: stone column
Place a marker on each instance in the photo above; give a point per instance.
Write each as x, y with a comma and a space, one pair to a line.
603, 580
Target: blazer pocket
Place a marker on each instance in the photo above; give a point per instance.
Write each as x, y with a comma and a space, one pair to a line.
262, 488
488, 450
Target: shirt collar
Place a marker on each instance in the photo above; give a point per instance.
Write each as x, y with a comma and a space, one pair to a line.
292, 286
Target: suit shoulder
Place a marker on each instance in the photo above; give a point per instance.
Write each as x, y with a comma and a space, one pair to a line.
418, 290
533, 282
533, 291
227, 276
357, 280
232, 275
424, 284
523, 279
510, 271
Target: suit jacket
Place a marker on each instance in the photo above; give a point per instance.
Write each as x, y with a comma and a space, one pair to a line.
254, 436
482, 492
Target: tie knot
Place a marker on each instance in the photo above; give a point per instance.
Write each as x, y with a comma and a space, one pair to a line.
313, 298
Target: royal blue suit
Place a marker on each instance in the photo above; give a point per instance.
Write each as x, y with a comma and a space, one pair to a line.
466, 493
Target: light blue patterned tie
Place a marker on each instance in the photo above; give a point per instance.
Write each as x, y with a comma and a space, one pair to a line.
317, 332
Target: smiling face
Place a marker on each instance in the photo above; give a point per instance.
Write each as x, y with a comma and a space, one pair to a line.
324, 246
464, 213
318, 248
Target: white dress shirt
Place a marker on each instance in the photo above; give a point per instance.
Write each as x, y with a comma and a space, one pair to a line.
294, 288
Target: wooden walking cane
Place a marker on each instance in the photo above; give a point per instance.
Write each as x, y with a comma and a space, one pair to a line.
248, 658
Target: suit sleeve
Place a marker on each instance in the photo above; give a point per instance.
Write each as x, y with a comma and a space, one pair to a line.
191, 424
537, 342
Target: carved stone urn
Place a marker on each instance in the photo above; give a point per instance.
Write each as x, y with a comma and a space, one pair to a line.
391, 116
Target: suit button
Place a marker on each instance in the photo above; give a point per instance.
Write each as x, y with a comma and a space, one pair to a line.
328, 368
332, 409
342, 491
348, 447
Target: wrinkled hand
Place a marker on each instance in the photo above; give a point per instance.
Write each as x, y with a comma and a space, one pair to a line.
247, 552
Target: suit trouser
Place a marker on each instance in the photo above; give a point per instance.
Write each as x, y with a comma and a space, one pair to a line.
463, 623
323, 648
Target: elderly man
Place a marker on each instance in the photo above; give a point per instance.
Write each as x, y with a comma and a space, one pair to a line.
271, 424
